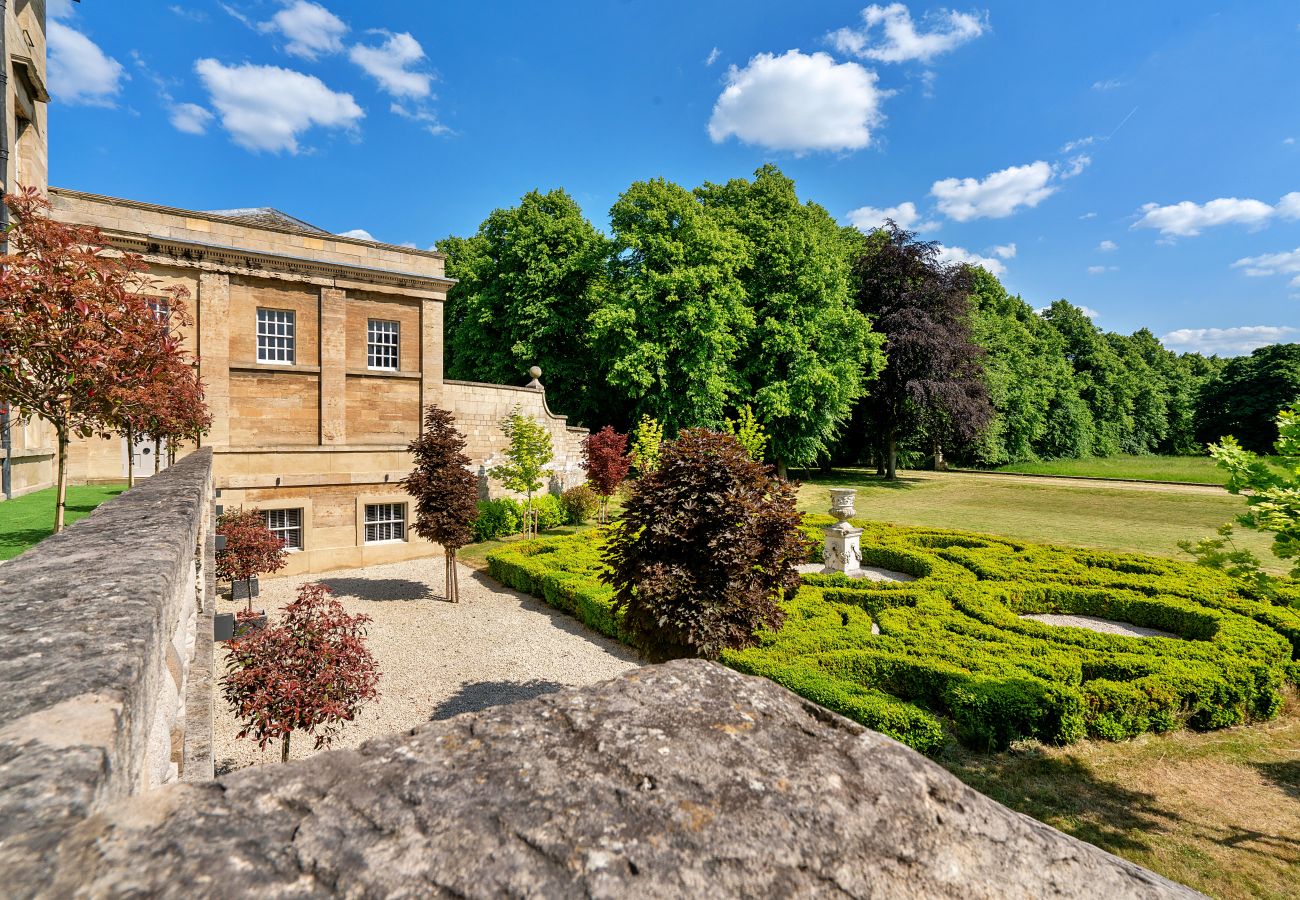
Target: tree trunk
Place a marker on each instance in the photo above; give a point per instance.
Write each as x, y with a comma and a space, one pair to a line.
782, 471
880, 460
891, 461
157, 455
130, 457
248, 592
62, 478
284, 750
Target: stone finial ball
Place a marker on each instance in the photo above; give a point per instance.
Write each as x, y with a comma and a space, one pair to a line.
535, 371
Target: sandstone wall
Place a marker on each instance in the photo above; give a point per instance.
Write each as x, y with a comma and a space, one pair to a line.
98, 630
479, 409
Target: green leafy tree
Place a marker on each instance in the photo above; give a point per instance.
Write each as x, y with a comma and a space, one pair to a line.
749, 432
676, 320
1104, 382
1273, 494
810, 352
647, 438
529, 453
528, 281
1245, 398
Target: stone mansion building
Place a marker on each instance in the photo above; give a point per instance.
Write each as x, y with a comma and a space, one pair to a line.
317, 353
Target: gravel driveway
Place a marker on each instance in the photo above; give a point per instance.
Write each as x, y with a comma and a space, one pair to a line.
437, 659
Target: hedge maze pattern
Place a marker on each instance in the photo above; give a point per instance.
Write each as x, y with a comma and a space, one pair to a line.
954, 655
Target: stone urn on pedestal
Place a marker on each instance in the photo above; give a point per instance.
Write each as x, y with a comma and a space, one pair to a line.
843, 550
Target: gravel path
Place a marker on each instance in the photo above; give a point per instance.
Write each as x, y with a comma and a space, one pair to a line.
1105, 626
870, 573
437, 659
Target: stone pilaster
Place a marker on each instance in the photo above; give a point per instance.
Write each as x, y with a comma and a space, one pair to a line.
333, 366
430, 354
214, 352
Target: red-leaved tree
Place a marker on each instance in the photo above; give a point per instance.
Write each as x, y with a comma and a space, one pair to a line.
604, 456
73, 319
444, 489
309, 672
251, 549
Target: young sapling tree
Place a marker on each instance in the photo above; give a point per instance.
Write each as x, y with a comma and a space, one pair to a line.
529, 453
444, 489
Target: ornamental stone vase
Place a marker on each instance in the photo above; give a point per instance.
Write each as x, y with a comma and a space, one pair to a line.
842, 551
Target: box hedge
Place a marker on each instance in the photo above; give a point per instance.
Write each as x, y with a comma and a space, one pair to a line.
954, 655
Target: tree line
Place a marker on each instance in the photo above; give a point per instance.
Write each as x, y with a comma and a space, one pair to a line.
849, 348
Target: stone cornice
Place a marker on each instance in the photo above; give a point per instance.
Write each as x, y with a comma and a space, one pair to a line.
223, 258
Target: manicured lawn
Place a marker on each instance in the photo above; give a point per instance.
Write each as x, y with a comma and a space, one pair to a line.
1196, 469
1127, 518
1218, 811
27, 520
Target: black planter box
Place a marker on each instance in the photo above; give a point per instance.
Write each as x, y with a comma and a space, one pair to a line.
239, 590
225, 627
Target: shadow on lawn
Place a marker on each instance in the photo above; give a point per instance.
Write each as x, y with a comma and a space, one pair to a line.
381, 589
480, 695
1068, 795
853, 478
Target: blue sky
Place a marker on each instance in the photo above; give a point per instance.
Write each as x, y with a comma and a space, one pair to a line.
1139, 159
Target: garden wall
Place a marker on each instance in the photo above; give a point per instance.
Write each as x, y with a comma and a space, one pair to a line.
105, 651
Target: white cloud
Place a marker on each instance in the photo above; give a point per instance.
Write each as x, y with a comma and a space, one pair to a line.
951, 255
1005, 251
1089, 312
1289, 140
713, 56
80, 72
1289, 206
905, 215
391, 63
358, 233
267, 107
1108, 85
1229, 341
311, 29
1073, 166
1186, 219
799, 102
425, 117
190, 118
1101, 270
1107, 246
1269, 264
58, 9
1071, 146
1088, 215
997, 195
900, 41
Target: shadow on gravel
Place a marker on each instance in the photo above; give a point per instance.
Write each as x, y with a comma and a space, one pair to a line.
480, 695
380, 589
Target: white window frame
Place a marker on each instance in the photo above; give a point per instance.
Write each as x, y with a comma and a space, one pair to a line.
276, 336
383, 344
385, 523
284, 523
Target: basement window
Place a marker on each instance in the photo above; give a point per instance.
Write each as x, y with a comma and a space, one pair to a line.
381, 344
286, 524
275, 336
385, 522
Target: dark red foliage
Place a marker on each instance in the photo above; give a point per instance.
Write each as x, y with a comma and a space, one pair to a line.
604, 455
309, 672
707, 545
252, 549
444, 488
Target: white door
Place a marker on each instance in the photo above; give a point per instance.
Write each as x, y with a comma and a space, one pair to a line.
143, 457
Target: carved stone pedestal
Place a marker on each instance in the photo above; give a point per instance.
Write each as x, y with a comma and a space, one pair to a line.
842, 551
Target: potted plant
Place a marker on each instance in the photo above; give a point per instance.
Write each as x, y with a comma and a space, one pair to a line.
251, 549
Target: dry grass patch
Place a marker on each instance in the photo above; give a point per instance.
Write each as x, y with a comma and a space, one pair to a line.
1218, 811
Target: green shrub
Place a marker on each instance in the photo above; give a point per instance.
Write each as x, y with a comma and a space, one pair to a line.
579, 504
954, 655
497, 518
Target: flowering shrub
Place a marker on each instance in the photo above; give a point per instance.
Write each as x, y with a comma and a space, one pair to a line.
579, 504
310, 672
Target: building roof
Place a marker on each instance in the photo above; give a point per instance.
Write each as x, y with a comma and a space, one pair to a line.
267, 216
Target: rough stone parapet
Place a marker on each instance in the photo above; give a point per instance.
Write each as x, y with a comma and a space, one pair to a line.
680, 780
97, 628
